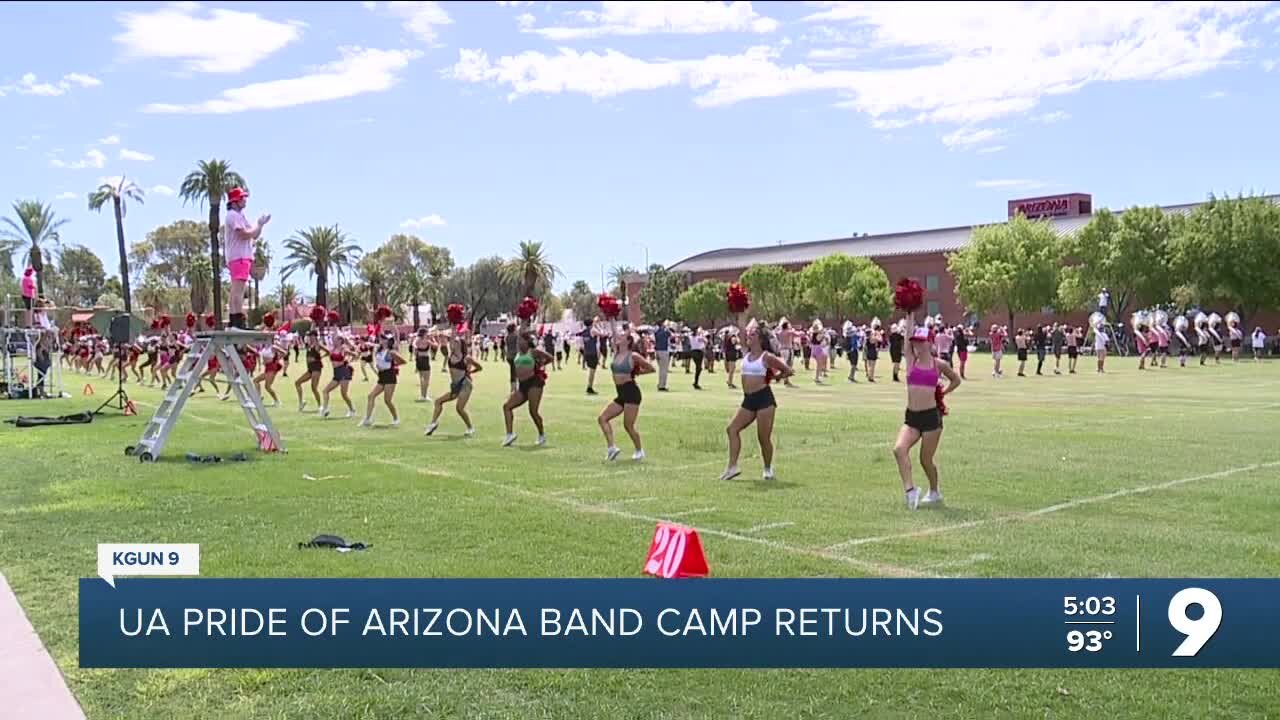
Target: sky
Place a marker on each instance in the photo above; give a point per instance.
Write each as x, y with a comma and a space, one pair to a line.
626, 133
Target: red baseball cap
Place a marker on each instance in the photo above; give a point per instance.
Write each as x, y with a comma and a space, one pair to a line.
236, 194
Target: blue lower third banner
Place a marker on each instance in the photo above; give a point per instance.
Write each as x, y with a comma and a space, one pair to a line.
784, 623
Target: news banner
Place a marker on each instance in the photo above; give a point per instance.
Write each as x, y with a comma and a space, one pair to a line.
185, 622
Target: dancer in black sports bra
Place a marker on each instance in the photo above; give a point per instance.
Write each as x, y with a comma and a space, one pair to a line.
315, 366
461, 367
626, 365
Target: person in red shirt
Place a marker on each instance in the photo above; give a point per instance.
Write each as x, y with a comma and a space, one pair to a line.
998, 335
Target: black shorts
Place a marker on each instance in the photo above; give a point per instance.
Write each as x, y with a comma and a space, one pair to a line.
895, 355
946, 357
1072, 351
731, 356
26, 302
529, 384
592, 360
511, 369
628, 394
343, 373
759, 400
1235, 343
315, 368
872, 353
422, 363
387, 377
924, 420
1022, 354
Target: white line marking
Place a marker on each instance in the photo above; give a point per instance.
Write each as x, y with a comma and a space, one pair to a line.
572, 491
961, 562
695, 511
1019, 517
579, 506
630, 501
766, 526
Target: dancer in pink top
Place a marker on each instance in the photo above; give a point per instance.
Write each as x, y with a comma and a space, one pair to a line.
925, 408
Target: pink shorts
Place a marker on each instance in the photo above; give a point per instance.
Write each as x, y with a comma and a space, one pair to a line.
241, 269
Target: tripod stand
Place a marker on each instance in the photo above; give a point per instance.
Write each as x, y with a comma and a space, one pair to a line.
120, 398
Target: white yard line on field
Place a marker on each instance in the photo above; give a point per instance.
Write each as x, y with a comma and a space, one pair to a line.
695, 511
591, 508
766, 526
1059, 507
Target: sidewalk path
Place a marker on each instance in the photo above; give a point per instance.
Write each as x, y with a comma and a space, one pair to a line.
33, 686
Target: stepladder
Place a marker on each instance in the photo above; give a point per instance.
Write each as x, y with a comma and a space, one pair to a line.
213, 345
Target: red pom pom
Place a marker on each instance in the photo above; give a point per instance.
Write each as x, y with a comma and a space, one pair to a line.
908, 296
737, 298
938, 398
609, 306
191, 320
318, 314
155, 324
269, 320
165, 321
527, 309
210, 320
334, 317
456, 314
382, 313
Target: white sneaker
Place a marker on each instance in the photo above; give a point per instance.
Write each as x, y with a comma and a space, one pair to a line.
324, 411
509, 440
730, 473
427, 399
542, 440
913, 498
395, 423
350, 414
302, 406
367, 422
768, 473
421, 399
431, 427
612, 454
931, 498
224, 397
638, 455
469, 432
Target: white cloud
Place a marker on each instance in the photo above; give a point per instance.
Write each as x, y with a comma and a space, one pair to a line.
216, 41
1215, 95
1009, 184
369, 4
92, 159
21, 148
29, 84
66, 196
1051, 117
432, 220
966, 137
419, 18
677, 17
1269, 65
127, 154
359, 71
109, 140
164, 190
514, 3
948, 63
526, 21
991, 149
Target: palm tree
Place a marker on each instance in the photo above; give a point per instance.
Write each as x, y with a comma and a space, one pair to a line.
288, 295
412, 285
261, 259
617, 278
209, 183
117, 194
319, 251
200, 280
152, 293
530, 269
375, 277
38, 225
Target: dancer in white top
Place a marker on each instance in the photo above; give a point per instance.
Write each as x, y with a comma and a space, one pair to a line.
759, 366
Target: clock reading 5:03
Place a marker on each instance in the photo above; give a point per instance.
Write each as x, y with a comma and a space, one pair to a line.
1072, 605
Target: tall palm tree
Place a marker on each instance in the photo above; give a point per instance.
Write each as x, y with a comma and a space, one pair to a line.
413, 284
209, 183
288, 296
530, 269
261, 259
617, 278
37, 225
319, 251
375, 277
117, 194
200, 280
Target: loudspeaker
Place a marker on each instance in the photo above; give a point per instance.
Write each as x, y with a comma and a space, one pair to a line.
121, 330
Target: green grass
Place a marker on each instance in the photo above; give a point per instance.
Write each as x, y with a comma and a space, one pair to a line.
445, 507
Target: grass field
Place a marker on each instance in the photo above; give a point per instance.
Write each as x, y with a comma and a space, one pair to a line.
1163, 473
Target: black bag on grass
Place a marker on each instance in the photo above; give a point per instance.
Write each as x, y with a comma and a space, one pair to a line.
332, 542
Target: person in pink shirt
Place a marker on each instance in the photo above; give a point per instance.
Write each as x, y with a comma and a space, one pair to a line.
1162, 343
1144, 346
28, 293
998, 335
238, 236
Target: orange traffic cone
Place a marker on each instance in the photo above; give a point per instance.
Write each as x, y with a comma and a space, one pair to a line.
88, 390
129, 409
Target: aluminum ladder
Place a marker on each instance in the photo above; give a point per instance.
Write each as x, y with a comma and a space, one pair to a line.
208, 345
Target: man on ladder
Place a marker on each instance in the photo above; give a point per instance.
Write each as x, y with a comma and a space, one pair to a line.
239, 234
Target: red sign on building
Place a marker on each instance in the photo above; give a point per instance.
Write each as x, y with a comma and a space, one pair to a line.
1052, 206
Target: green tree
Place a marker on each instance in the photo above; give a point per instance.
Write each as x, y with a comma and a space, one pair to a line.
170, 249
36, 225
118, 193
412, 285
200, 283
617, 281
79, 277
703, 303
1128, 254
208, 184
553, 309
483, 287
840, 286
152, 292
1227, 251
261, 259
113, 286
581, 299
373, 273
530, 270
319, 251
111, 301
1014, 266
397, 256
658, 297
771, 289
288, 295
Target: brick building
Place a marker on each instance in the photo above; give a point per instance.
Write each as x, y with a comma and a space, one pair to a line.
920, 254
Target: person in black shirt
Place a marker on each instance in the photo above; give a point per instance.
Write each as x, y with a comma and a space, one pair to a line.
590, 355
895, 349
1040, 339
1058, 338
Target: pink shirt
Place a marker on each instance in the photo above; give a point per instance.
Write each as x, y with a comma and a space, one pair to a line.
235, 236
997, 342
29, 285
944, 341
